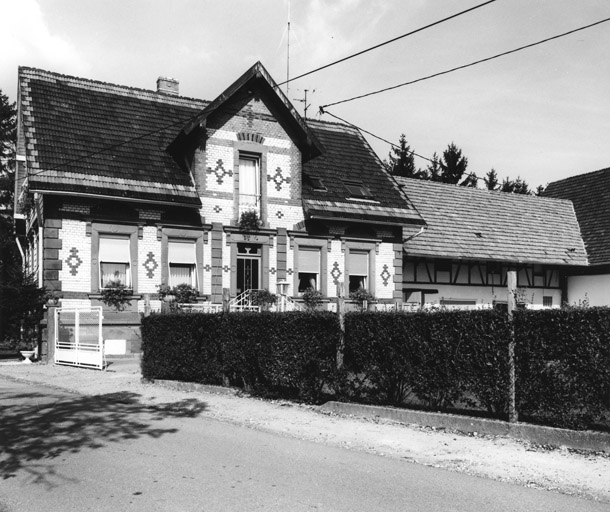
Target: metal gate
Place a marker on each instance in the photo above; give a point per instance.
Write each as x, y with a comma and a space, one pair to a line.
78, 337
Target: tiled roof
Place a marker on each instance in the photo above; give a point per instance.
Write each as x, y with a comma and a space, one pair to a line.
472, 224
69, 124
590, 194
347, 156
68, 120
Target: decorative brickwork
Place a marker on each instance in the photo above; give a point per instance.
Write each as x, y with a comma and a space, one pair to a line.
149, 261
74, 261
220, 172
75, 276
81, 209
144, 214
150, 264
384, 267
278, 178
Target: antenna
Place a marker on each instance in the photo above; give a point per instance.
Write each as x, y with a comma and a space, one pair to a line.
304, 101
288, 54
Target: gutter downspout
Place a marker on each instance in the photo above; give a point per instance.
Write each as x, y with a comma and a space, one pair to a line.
40, 257
20, 250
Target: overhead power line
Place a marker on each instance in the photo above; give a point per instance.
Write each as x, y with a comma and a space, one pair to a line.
388, 42
110, 148
376, 136
322, 107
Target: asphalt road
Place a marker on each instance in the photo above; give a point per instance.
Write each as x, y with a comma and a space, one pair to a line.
65, 452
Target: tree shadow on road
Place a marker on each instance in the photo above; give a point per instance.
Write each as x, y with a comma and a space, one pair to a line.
35, 432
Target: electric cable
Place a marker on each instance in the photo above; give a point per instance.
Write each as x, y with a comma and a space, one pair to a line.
388, 42
466, 65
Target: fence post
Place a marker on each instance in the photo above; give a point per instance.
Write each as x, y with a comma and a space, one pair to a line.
511, 282
226, 297
147, 304
341, 314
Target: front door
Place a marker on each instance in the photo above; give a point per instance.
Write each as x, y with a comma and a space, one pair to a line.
248, 267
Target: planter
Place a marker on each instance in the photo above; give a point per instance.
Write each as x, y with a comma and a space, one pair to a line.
27, 355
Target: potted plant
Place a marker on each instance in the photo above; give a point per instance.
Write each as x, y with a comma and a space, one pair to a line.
116, 295
249, 221
362, 297
263, 298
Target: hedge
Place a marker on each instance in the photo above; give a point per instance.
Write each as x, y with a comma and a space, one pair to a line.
292, 353
443, 359
563, 366
439, 357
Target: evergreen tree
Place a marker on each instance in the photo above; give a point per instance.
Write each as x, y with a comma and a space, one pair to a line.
401, 161
517, 186
491, 180
453, 165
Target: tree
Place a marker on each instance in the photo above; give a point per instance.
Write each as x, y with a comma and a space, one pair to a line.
401, 161
21, 299
453, 168
491, 180
517, 186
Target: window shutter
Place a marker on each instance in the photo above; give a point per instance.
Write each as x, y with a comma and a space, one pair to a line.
359, 263
181, 252
114, 249
309, 260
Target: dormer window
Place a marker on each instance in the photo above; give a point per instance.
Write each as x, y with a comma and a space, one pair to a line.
357, 190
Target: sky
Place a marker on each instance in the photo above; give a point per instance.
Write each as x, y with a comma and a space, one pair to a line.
541, 114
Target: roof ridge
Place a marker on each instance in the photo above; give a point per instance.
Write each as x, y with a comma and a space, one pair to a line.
585, 175
467, 190
124, 90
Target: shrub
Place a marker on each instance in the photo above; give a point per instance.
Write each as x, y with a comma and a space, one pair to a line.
312, 298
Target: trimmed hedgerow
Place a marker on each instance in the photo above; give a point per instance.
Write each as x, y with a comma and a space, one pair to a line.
563, 366
438, 357
183, 347
288, 354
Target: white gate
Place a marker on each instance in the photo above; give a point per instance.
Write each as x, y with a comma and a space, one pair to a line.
78, 337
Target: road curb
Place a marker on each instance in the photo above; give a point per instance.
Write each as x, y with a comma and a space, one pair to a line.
192, 387
557, 437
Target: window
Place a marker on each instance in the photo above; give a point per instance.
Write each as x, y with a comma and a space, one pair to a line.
114, 257
358, 265
308, 266
357, 190
547, 301
316, 183
182, 260
249, 183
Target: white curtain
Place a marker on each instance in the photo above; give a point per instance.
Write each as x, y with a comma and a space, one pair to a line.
249, 184
182, 260
114, 257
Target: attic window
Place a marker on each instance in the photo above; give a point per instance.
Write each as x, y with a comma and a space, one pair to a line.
357, 190
317, 183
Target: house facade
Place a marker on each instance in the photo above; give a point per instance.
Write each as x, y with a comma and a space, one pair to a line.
589, 194
148, 188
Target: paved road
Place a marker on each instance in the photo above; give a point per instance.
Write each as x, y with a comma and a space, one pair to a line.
64, 452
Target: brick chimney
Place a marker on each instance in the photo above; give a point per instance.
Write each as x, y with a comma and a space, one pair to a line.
167, 85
